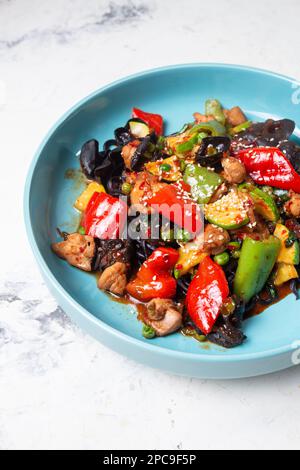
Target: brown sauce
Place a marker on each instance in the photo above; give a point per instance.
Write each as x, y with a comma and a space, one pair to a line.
187, 329
283, 292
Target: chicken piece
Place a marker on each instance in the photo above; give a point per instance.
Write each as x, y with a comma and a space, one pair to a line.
164, 316
216, 239
144, 188
78, 250
128, 152
114, 278
202, 118
234, 170
292, 206
235, 116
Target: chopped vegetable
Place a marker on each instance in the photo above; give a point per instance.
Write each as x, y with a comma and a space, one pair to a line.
265, 205
269, 166
153, 280
240, 128
190, 255
206, 294
222, 258
255, 266
288, 255
148, 332
168, 168
284, 273
213, 128
154, 121
104, 216
84, 198
214, 108
138, 128
203, 182
174, 203
126, 188
230, 212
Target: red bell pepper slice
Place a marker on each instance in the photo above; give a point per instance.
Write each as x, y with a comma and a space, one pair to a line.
163, 287
174, 203
104, 217
163, 259
153, 279
269, 166
206, 295
154, 121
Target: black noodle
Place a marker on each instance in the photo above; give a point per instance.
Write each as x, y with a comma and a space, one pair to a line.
144, 248
182, 286
230, 271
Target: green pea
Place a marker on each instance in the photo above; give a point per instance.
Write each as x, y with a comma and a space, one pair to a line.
222, 258
182, 235
167, 234
233, 246
165, 167
81, 230
126, 188
148, 332
236, 254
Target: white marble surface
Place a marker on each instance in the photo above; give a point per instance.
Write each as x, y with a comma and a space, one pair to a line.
58, 387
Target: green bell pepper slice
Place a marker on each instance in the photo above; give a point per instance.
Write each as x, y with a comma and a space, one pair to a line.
188, 145
197, 133
213, 128
255, 265
203, 182
240, 128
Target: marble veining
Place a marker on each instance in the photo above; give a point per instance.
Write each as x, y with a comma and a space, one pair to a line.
115, 14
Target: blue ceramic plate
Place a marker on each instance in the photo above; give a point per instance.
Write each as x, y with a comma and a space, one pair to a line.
175, 92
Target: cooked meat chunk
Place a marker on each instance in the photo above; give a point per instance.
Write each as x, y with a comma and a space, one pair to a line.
202, 118
235, 116
109, 252
114, 278
77, 249
220, 192
164, 316
292, 207
215, 239
128, 152
144, 188
234, 170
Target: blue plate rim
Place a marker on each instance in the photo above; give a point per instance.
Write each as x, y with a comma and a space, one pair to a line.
198, 357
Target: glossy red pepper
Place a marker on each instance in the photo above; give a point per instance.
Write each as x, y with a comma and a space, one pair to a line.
104, 217
206, 295
154, 121
153, 280
269, 166
174, 203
